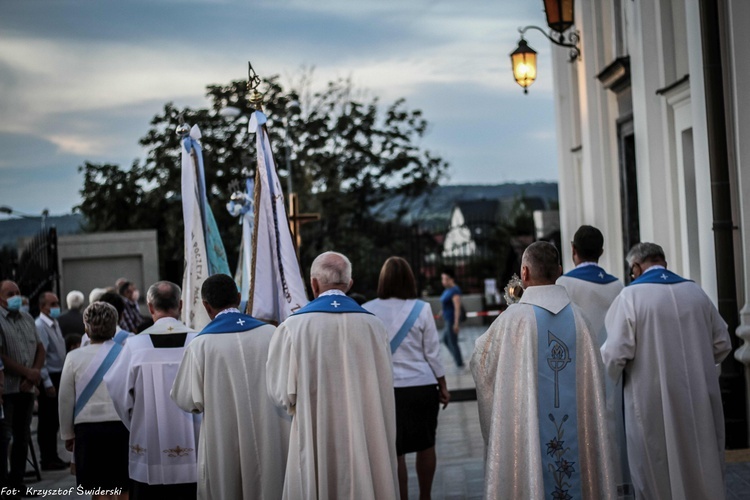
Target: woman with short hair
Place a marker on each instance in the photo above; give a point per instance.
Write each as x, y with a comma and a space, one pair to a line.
88, 418
418, 375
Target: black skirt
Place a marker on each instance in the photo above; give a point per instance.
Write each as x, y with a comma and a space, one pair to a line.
416, 417
101, 455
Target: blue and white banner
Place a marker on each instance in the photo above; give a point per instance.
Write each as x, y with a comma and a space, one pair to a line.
277, 289
204, 250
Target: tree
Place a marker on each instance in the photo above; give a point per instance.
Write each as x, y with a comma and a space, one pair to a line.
346, 152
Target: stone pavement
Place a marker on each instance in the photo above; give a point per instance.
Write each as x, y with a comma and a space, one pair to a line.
460, 469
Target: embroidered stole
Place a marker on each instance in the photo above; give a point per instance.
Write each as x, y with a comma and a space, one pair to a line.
333, 304
592, 274
231, 322
556, 391
659, 276
95, 372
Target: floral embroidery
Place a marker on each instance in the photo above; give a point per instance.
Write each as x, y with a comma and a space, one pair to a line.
137, 449
561, 468
177, 452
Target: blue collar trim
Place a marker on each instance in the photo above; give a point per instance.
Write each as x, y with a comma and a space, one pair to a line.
593, 274
232, 323
660, 276
336, 304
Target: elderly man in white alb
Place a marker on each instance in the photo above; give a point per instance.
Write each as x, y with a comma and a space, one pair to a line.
244, 437
329, 366
540, 389
665, 336
593, 289
163, 438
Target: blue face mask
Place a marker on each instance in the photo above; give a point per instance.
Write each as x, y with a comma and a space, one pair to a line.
14, 303
54, 312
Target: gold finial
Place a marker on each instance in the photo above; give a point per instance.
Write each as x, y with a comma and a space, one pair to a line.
253, 82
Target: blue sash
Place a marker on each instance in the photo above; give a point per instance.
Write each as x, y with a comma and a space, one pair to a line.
593, 274
661, 276
410, 320
333, 304
93, 384
558, 418
232, 323
121, 337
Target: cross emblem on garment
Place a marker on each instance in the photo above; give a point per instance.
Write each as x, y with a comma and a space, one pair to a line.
170, 329
663, 276
241, 322
601, 276
335, 304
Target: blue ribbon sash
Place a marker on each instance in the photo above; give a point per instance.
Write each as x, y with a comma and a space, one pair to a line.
231, 323
660, 276
592, 274
404, 330
336, 304
556, 391
98, 377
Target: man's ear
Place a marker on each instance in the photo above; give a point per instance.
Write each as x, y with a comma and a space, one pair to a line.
525, 274
207, 306
152, 311
349, 287
315, 287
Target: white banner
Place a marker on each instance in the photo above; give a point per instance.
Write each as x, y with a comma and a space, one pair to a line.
194, 315
278, 287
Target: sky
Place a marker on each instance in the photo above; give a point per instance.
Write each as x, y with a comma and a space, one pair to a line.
80, 80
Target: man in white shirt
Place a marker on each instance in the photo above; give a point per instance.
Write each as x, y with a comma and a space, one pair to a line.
329, 366
665, 337
163, 438
54, 346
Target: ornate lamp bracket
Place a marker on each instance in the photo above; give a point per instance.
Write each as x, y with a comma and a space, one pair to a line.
569, 39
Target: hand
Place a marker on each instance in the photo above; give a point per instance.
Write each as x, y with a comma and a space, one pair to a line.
445, 396
69, 444
26, 385
34, 375
50, 391
456, 328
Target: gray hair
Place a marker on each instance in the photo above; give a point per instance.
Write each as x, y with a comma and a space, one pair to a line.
164, 296
96, 294
645, 252
331, 268
74, 299
100, 319
543, 261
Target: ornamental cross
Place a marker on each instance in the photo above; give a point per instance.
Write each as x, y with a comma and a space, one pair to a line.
296, 219
335, 304
663, 276
241, 322
601, 275
169, 329
558, 360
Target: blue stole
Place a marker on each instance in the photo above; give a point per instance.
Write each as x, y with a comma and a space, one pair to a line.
661, 276
332, 304
593, 274
121, 337
558, 418
231, 323
410, 320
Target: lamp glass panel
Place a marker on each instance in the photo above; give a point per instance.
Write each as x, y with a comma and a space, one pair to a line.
524, 68
560, 14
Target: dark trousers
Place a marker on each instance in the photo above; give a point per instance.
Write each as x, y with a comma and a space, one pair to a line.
18, 408
143, 491
49, 422
451, 341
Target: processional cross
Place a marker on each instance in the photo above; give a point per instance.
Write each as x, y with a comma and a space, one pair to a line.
296, 220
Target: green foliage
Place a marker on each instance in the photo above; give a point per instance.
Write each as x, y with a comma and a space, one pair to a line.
346, 152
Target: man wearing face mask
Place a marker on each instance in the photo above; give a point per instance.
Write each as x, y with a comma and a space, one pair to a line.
54, 345
22, 354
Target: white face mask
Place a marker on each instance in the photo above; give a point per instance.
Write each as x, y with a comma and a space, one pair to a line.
136, 295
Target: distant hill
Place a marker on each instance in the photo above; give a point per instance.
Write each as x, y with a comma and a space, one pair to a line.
11, 230
433, 210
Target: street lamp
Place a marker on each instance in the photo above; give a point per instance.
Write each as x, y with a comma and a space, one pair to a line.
560, 18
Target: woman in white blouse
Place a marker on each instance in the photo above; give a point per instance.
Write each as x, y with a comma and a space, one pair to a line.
88, 418
418, 375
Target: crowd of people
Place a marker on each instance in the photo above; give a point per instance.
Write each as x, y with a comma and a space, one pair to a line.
585, 388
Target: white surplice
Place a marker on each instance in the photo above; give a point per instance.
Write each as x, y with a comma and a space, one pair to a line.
163, 438
667, 339
244, 436
332, 372
594, 299
504, 366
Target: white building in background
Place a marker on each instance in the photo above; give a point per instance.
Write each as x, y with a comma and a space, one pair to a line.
653, 112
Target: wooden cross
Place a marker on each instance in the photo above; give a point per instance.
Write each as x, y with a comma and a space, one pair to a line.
296, 220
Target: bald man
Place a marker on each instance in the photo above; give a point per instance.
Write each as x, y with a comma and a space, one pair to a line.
540, 388
329, 366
